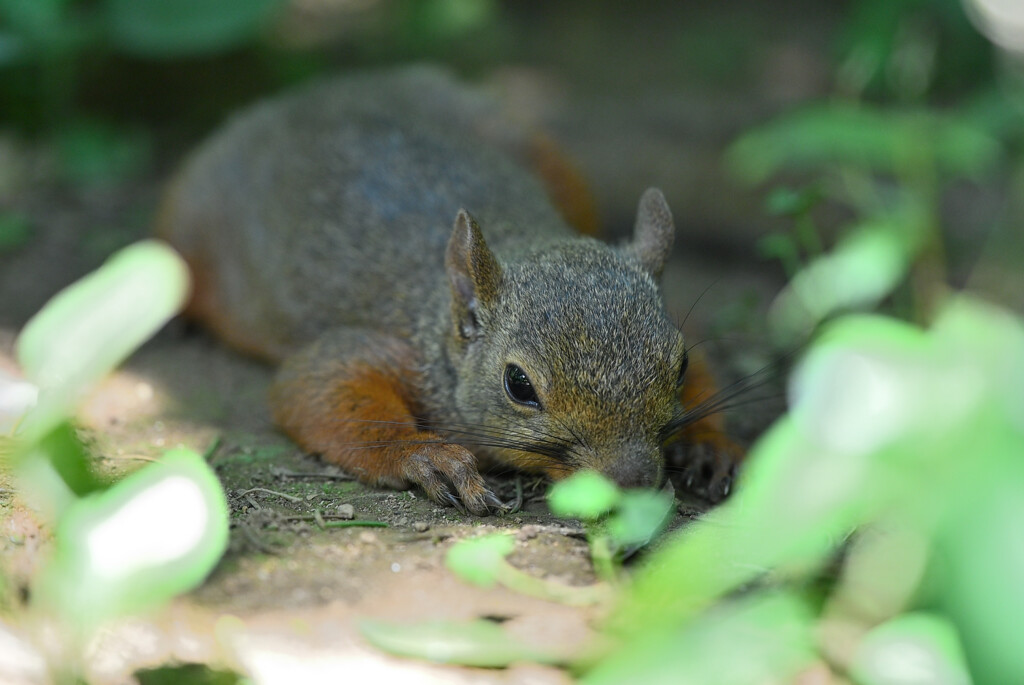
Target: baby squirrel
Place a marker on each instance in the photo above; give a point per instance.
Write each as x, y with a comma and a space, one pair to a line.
319, 228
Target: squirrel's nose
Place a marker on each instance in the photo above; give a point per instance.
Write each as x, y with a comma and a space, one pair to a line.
635, 467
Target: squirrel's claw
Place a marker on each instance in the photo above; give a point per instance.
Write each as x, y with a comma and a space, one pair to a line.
707, 468
440, 468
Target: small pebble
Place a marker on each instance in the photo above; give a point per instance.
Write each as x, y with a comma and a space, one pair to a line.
402, 521
421, 526
346, 512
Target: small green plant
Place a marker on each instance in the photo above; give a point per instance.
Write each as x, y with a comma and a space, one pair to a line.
618, 521
122, 548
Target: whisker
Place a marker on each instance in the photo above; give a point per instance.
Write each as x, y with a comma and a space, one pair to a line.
700, 297
727, 398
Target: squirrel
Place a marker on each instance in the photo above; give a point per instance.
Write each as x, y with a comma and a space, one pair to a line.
405, 253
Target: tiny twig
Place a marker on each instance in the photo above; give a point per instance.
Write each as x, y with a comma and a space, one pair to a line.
290, 498
319, 519
255, 505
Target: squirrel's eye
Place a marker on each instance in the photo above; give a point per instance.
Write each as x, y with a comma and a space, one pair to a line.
682, 368
519, 387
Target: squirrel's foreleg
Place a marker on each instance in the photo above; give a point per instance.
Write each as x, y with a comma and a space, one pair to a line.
348, 397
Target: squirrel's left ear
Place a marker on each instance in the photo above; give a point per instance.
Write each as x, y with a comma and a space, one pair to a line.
653, 233
473, 273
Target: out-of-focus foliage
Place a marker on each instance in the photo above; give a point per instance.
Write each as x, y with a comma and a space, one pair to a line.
92, 326
904, 49
169, 28
474, 643
159, 531
907, 435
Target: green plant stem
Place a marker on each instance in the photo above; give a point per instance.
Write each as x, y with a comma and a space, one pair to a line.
603, 559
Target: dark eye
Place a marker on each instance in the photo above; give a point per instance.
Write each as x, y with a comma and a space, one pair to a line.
682, 368
519, 387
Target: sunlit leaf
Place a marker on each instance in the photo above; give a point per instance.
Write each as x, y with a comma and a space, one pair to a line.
586, 495
912, 649
470, 643
639, 516
93, 325
864, 268
151, 536
172, 28
983, 563
763, 639
478, 560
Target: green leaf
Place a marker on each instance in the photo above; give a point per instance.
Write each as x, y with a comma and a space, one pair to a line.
95, 153
176, 28
766, 638
93, 325
471, 643
639, 516
15, 231
790, 202
35, 19
151, 536
863, 269
586, 495
479, 560
882, 140
913, 648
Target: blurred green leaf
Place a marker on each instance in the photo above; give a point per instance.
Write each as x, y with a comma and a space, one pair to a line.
175, 28
761, 639
94, 153
639, 516
912, 649
792, 202
864, 268
33, 18
93, 325
15, 231
192, 674
62, 448
885, 141
586, 495
151, 536
451, 18
470, 643
478, 560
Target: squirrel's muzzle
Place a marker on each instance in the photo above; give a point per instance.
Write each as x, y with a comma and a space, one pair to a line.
634, 466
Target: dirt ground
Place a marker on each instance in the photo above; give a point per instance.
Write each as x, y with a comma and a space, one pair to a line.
285, 601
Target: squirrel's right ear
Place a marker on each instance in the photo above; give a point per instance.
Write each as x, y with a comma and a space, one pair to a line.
654, 232
473, 273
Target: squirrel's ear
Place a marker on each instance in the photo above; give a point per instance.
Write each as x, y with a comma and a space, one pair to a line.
654, 231
473, 273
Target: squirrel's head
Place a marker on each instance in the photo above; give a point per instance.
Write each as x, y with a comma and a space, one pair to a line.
566, 359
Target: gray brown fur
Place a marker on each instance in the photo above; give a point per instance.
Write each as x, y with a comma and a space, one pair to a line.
331, 210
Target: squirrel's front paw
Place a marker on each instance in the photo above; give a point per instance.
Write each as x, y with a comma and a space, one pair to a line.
705, 467
440, 468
